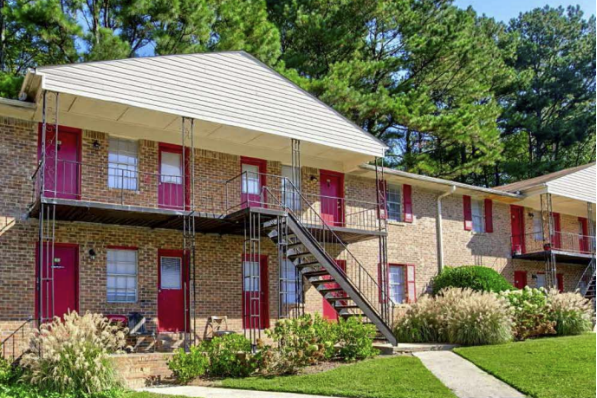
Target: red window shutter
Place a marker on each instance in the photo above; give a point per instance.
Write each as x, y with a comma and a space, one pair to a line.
411, 288
468, 214
408, 203
488, 215
560, 278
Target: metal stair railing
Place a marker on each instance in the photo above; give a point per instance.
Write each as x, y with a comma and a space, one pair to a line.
10, 342
587, 277
332, 246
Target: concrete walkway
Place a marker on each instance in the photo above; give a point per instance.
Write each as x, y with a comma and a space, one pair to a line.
464, 378
213, 392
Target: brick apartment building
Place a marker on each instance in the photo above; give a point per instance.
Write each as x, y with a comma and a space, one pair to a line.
186, 187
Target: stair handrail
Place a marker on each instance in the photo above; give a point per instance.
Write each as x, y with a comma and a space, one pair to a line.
383, 295
12, 336
585, 280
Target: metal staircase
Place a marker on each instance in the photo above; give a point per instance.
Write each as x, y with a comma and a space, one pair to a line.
586, 284
316, 250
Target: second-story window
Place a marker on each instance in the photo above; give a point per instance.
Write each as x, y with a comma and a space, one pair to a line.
122, 164
478, 215
394, 202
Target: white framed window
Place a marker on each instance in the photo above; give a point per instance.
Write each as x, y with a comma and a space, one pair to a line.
290, 283
394, 202
289, 184
396, 284
478, 215
123, 164
171, 168
251, 276
251, 179
122, 276
540, 281
537, 226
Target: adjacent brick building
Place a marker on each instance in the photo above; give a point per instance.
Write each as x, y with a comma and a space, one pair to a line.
116, 210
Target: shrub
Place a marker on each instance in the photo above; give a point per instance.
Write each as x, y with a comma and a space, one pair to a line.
187, 366
70, 355
477, 278
229, 356
571, 312
302, 341
476, 318
457, 316
355, 339
422, 322
530, 313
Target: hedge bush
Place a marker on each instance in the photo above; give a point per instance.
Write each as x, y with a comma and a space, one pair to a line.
474, 277
530, 313
187, 366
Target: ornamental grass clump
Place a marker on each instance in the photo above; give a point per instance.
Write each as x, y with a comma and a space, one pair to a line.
456, 316
475, 318
70, 355
572, 313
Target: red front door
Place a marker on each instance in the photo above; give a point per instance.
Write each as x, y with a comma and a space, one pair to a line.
517, 223
556, 239
62, 170
65, 269
331, 188
173, 291
330, 312
583, 240
170, 179
520, 279
255, 293
253, 181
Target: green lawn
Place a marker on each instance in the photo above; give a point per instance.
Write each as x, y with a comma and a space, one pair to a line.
557, 367
135, 394
395, 377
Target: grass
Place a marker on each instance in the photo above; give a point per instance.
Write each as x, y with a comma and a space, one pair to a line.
395, 377
557, 367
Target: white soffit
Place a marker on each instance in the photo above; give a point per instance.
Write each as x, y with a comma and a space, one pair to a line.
228, 88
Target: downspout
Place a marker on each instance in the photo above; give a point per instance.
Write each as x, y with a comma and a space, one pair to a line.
438, 229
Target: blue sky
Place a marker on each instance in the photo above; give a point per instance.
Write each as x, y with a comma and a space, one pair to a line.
504, 10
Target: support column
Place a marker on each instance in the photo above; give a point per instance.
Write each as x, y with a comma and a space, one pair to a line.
551, 280
382, 211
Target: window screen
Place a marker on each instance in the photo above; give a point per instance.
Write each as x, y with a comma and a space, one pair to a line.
171, 273
394, 201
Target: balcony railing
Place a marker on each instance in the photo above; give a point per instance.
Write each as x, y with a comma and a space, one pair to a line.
560, 241
128, 187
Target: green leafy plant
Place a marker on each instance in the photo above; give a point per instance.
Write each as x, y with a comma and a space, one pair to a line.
229, 356
571, 312
530, 313
457, 316
70, 355
477, 278
355, 339
187, 366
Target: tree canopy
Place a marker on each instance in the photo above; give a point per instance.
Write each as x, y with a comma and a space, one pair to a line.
454, 94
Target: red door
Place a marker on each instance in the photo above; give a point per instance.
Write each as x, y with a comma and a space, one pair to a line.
173, 291
170, 179
520, 279
517, 223
560, 279
65, 267
556, 239
62, 170
331, 188
329, 312
252, 181
255, 293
